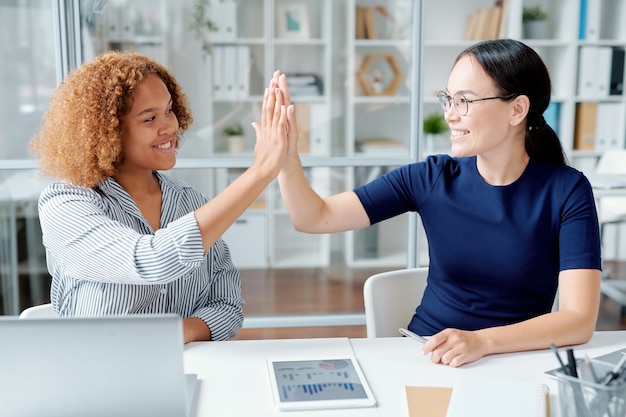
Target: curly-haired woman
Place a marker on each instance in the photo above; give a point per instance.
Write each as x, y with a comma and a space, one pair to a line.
121, 237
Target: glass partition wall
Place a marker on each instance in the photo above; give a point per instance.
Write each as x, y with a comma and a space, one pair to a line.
352, 70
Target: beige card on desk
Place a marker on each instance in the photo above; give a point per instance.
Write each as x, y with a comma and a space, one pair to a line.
428, 401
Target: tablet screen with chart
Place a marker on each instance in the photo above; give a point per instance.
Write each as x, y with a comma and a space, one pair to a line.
319, 383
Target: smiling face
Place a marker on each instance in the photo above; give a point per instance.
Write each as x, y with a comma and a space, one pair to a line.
149, 130
486, 127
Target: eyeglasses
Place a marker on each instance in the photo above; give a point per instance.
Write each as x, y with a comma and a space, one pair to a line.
461, 103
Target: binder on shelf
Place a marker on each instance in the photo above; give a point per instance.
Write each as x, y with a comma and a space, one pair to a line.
480, 23
114, 25
368, 23
319, 134
218, 57
495, 21
594, 71
552, 115
232, 65
127, 25
590, 17
224, 16
313, 133
359, 23
616, 83
609, 126
229, 71
470, 24
586, 71
582, 23
243, 69
486, 22
585, 126
303, 121
504, 20
603, 70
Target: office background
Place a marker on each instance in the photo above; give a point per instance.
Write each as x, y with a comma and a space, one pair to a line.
363, 74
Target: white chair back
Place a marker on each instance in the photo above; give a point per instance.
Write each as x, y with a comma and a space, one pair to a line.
39, 311
612, 162
391, 298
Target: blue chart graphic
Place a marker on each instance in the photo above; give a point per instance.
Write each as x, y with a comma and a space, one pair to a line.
318, 380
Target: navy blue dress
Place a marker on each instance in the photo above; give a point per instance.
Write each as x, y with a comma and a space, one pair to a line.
495, 251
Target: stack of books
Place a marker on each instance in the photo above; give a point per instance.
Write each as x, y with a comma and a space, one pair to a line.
305, 84
486, 22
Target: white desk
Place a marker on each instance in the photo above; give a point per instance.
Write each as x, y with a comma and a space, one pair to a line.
233, 379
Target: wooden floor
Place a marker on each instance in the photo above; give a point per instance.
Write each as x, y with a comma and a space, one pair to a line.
320, 291
335, 290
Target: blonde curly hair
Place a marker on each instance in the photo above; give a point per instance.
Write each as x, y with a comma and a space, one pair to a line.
79, 141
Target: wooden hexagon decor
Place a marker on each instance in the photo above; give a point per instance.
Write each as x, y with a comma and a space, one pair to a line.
365, 81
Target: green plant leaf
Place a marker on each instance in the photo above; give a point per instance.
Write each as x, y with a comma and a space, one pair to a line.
435, 124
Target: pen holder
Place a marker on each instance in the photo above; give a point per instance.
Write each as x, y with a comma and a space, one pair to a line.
584, 397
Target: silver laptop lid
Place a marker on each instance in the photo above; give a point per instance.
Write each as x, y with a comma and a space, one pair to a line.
110, 366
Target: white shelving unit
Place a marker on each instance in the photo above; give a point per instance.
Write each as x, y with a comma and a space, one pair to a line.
378, 115
560, 51
295, 37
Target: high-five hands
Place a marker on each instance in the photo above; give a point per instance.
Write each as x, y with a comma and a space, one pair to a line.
272, 135
279, 81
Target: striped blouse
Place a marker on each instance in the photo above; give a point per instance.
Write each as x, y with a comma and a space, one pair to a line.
105, 258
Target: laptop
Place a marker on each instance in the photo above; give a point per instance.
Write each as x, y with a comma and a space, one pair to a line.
108, 366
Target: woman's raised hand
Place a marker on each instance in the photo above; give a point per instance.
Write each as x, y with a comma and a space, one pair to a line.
279, 81
271, 135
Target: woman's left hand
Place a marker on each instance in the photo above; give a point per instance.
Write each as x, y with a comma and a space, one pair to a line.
271, 135
279, 81
455, 347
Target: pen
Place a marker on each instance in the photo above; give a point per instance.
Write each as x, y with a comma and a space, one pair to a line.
412, 335
571, 363
592, 369
615, 372
564, 369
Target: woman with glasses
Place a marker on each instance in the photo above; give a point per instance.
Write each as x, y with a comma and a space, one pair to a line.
507, 221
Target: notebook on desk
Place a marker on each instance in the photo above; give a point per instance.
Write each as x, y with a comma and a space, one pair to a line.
110, 366
480, 396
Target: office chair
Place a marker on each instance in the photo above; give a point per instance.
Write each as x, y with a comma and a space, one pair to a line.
390, 299
38, 311
611, 170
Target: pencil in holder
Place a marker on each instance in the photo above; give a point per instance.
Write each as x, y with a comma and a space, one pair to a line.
588, 395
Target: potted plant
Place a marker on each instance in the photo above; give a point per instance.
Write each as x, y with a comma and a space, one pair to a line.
202, 26
434, 126
535, 22
235, 136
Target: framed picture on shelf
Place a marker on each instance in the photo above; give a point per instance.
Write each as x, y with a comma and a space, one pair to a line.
292, 21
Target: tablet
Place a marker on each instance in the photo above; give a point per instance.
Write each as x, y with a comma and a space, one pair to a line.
319, 383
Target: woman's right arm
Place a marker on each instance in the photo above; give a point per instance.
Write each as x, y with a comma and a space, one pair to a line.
312, 214
307, 210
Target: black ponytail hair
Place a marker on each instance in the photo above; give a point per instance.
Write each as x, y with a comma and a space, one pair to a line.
518, 70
